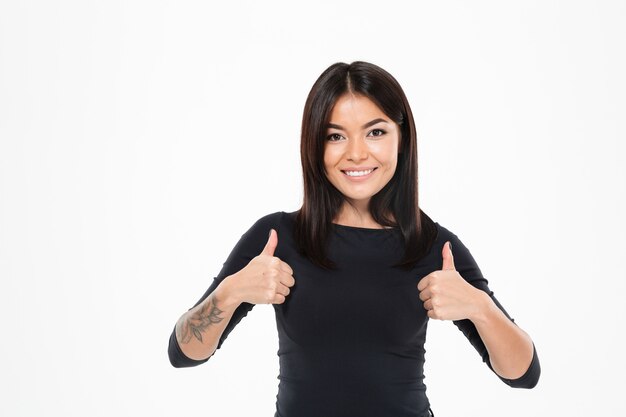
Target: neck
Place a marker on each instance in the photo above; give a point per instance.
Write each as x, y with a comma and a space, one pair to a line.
350, 215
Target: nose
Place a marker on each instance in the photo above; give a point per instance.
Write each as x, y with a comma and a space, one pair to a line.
357, 149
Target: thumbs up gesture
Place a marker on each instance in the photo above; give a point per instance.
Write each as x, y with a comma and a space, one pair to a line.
446, 295
266, 279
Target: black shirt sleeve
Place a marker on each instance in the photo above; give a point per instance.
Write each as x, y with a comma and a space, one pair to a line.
468, 268
247, 248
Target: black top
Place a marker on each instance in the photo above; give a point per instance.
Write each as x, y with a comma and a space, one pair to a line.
351, 341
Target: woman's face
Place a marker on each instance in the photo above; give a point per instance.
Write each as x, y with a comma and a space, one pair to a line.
360, 137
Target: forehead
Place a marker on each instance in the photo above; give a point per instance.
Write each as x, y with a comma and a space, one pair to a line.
355, 107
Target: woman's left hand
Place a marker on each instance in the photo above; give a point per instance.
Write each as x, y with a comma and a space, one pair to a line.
446, 295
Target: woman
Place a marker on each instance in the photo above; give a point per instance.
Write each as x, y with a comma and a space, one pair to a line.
356, 272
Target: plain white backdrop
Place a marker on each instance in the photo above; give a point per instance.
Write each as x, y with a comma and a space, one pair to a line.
140, 139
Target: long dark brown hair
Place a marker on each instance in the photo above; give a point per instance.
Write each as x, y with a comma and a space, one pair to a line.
322, 200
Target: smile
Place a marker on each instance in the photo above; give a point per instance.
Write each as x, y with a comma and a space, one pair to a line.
359, 175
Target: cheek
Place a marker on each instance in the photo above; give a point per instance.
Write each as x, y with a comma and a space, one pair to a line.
327, 166
330, 158
387, 155
391, 154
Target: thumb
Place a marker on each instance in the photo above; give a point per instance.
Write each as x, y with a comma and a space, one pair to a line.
448, 258
271, 244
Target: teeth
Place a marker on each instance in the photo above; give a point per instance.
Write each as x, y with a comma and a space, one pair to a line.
358, 173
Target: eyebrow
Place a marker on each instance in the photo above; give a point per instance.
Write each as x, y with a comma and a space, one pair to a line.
365, 126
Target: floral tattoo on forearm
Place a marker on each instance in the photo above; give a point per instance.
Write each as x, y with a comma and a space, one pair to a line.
196, 322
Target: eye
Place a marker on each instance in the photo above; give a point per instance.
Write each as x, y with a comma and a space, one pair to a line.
380, 132
333, 136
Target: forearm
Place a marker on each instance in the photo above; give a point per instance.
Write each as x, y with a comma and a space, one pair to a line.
510, 348
198, 330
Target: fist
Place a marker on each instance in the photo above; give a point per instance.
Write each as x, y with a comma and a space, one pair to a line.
266, 279
446, 295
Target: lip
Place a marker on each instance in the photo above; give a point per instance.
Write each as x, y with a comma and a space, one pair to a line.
357, 168
361, 178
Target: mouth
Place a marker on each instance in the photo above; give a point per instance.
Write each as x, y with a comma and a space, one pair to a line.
359, 175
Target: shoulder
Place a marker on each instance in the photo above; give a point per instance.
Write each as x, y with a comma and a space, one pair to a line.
443, 233
271, 219
254, 236
433, 231
265, 223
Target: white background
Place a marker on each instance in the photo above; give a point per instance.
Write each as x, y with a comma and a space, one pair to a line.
140, 140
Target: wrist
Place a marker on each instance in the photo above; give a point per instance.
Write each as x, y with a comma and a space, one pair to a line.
226, 294
483, 308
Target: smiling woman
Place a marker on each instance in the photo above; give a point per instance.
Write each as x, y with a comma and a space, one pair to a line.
357, 118
358, 271
360, 153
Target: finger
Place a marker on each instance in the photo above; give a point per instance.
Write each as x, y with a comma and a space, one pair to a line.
425, 294
287, 279
448, 259
428, 304
282, 289
278, 299
431, 314
270, 246
423, 283
285, 267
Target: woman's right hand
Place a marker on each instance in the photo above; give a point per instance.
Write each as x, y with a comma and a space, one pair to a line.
265, 280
